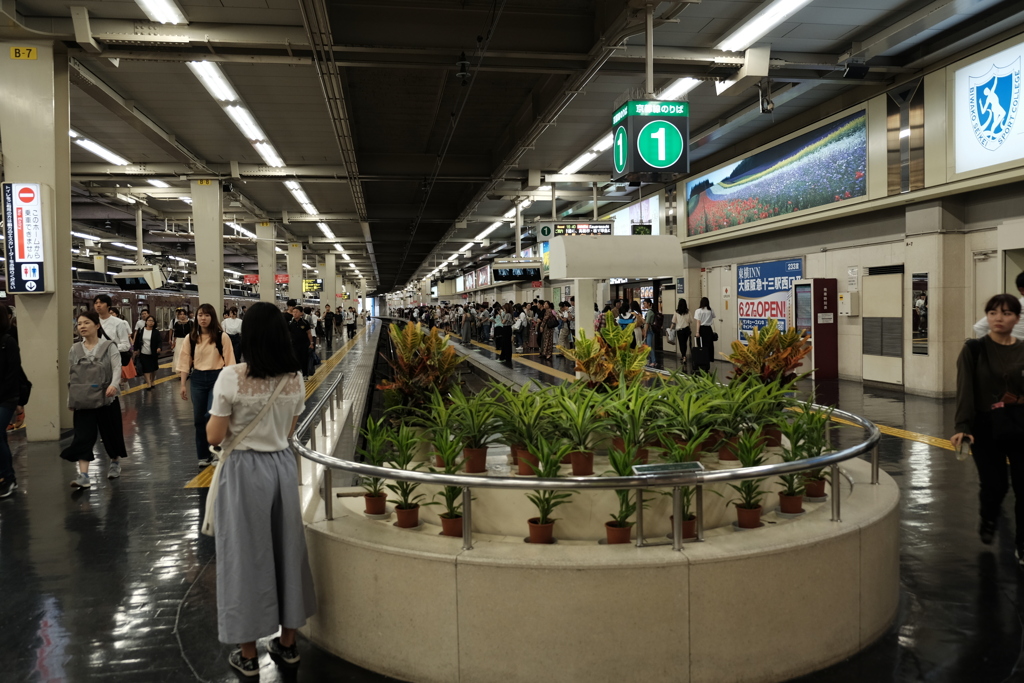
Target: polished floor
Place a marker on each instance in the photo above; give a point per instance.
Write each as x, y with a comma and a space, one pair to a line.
116, 584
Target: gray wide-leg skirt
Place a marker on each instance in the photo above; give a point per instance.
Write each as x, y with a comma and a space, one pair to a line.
263, 576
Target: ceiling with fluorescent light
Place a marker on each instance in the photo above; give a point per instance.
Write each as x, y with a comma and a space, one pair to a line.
433, 158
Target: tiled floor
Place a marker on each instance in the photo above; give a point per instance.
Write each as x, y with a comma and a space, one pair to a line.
116, 583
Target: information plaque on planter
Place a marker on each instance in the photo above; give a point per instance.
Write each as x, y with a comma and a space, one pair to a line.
650, 139
667, 468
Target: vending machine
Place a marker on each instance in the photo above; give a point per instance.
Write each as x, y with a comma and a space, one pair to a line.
815, 310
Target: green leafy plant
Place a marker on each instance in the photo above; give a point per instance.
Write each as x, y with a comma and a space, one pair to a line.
549, 454
749, 450
631, 413
792, 450
622, 463
581, 415
377, 437
403, 449
424, 362
685, 409
770, 354
448, 450
608, 357
816, 439
523, 415
475, 417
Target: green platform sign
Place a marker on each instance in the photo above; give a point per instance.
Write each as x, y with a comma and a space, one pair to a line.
651, 138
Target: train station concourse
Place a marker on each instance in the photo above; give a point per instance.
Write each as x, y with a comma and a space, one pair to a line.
471, 341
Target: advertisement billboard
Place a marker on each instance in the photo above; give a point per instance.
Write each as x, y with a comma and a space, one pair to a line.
460, 284
763, 292
988, 111
483, 276
823, 166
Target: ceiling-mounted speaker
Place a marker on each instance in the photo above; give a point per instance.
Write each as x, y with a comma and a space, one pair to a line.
856, 71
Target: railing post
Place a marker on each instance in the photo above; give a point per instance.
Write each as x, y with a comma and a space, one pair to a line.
874, 464
836, 517
639, 518
467, 518
323, 424
677, 518
328, 493
330, 405
700, 512
312, 438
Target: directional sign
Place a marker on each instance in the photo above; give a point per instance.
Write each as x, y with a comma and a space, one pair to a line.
563, 229
544, 233
24, 242
651, 138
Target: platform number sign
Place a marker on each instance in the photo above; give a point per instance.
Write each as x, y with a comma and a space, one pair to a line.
24, 243
651, 137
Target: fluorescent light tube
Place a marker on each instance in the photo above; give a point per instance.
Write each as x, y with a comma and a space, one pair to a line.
158, 183
544, 188
101, 151
604, 143
578, 163
310, 209
119, 259
269, 154
525, 204
759, 25
187, 200
212, 78
678, 88
326, 230
307, 266
82, 235
72, 133
238, 228
162, 11
338, 247
905, 133
511, 213
245, 122
491, 228
343, 254
466, 247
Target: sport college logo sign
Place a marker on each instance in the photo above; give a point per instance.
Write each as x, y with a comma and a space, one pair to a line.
988, 103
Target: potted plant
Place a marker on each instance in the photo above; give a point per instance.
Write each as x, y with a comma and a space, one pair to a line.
749, 450
476, 423
435, 419
448, 450
549, 458
620, 528
606, 358
580, 416
376, 437
791, 497
735, 415
524, 418
424, 362
631, 416
815, 440
677, 450
403, 443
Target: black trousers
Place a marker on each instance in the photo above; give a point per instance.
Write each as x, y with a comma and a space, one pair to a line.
351, 330
106, 421
503, 342
995, 476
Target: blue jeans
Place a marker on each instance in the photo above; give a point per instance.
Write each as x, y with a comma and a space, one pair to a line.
202, 401
650, 342
6, 459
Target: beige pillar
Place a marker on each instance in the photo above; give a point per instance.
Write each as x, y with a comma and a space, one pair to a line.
295, 271
208, 223
330, 276
34, 124
266, 261
585, 292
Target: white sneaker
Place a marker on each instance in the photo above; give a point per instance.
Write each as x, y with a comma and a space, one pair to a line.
81, 481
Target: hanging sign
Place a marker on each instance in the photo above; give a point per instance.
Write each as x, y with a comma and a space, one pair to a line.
251, 279
651, 137
763, 292
24, 245
316, 285
281, 279
566, 229
537, 284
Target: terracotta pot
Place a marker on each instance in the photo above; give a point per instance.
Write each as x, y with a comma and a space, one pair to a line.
618, 534
408, 519
438, 461
772, 437
516, 447
474, 460
710, 444
791, 505
582, 463
618, 443
541, 533
566, 459
451, 527
643, 455
814, 488
376, 505
525, 458
689, 526
747, 518
724, 452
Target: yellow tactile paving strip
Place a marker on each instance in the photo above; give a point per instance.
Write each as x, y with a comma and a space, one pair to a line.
202, 480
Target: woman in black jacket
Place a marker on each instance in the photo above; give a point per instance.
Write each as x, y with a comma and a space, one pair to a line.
147, 347
13, 396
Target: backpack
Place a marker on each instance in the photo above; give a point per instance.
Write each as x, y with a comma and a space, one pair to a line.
552, 322
25, 387
218, 342
90, 377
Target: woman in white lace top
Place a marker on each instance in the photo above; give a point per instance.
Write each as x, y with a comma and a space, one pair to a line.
263, 576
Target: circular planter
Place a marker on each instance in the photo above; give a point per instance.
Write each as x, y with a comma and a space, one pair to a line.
747, 518
582, 463
525, 459
408, 519
617, 534
475, 460
541, 533
376, 505
814, 488
451, 526
791, 505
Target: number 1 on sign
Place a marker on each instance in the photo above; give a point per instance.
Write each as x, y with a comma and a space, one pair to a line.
619, 150
659, 135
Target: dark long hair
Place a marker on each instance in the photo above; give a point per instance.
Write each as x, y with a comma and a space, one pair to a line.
266, 345
214, 331
681, 307
704, 303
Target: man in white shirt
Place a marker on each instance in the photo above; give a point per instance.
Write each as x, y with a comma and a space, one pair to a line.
981, 327
140, 324
115, 328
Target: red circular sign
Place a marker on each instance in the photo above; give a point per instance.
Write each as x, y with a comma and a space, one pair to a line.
27, 195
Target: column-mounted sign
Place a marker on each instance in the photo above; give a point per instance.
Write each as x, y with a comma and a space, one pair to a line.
251, 279
281, 278
651, 138
24, 242
313, 285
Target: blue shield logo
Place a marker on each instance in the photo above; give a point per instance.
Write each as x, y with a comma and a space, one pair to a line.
995, 103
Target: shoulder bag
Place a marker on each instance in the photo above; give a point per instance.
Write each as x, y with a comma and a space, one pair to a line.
222, 453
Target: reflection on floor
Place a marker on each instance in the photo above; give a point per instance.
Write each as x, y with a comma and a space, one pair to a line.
115, 584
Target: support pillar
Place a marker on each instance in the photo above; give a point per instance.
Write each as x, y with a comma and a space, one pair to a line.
140, 258
295, 271
208, 212
585, 292
34, 123
519, 231
330, 276
266, 261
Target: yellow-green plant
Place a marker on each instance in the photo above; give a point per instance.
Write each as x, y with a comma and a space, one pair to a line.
424, 362
607, 357
770, 354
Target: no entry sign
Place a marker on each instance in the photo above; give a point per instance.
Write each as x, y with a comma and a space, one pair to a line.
24, 241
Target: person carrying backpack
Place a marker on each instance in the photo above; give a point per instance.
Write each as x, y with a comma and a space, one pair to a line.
14, 388
206, 351
95, 371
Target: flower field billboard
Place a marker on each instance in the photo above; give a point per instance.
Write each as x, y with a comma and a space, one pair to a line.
820, 167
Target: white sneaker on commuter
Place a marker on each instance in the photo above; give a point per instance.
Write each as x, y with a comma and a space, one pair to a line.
115, 469
81, 481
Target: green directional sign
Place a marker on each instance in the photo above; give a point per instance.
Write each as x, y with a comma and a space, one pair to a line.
651, 139
620, 149
545, 233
